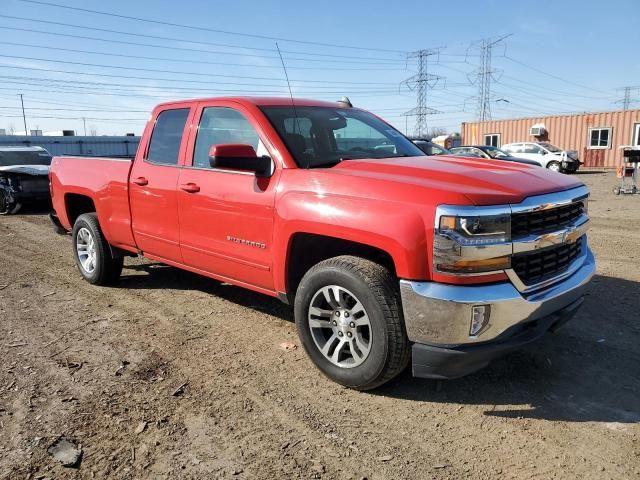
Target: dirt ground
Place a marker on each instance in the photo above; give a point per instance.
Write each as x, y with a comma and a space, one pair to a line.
171, 375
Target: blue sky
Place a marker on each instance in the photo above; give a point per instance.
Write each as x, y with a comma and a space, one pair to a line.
562, 56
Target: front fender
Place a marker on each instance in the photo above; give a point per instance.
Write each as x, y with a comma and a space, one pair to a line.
396, 228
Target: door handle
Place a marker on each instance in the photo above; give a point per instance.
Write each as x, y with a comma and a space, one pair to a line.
141, 181
190, 187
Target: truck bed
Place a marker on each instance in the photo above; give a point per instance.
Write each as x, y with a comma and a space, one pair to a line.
105, 181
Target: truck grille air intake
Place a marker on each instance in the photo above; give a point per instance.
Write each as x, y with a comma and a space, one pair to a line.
547, 263
544, 221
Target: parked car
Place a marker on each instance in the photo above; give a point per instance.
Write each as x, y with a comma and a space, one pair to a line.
431, 148
490, 153
23, 177
546, 155
387, 256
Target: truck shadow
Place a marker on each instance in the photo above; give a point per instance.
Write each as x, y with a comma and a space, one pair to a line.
161, 276
587, 371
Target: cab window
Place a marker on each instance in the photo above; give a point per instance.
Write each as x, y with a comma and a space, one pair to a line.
223, 125
167, 136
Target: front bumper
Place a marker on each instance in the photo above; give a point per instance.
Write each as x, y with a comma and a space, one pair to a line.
438, 317
448, 363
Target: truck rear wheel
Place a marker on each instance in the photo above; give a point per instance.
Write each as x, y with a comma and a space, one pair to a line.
349, 319
92, 254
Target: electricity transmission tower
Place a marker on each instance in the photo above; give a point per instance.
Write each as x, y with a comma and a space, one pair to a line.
627, 99
421, 83
484, 75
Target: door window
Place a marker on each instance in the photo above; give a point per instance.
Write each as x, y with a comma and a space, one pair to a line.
223, 125
532, 148
167, 136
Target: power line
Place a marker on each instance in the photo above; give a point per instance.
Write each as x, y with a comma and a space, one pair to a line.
421, 83
151, 70
77, 84
208, 29
171, 47
332, 58
570, 82
183, 60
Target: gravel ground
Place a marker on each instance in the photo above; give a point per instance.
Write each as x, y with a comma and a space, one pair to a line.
171, 375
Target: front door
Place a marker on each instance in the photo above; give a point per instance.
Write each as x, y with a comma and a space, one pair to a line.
226, 216
152, 187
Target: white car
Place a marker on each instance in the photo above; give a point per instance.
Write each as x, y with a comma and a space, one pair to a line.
545, 154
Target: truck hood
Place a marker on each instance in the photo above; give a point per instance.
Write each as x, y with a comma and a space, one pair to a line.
483, 182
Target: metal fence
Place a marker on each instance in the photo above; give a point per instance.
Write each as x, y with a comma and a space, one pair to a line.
89, 146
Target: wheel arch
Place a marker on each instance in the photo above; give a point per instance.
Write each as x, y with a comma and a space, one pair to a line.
308, 249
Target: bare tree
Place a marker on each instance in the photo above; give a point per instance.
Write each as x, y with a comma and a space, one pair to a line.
93, 131
12, 129
436, 132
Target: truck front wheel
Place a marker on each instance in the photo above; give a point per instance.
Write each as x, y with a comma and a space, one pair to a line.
349, 319
92, 254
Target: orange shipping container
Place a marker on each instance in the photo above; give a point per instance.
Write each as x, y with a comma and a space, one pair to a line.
595, 136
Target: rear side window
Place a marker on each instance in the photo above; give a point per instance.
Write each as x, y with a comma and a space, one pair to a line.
167, 136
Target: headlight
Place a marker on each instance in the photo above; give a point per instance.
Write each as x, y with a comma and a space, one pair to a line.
476, 230
472, 244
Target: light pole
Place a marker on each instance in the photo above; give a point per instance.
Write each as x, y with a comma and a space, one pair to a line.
24, 117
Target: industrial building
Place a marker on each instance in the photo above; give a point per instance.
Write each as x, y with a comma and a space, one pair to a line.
595, 136
98, 146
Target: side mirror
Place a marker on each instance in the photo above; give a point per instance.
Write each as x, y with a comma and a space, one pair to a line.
233, 156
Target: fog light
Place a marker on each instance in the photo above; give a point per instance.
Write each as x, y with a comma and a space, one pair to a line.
479, 319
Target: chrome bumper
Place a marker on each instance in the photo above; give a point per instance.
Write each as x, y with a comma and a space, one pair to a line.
440, 314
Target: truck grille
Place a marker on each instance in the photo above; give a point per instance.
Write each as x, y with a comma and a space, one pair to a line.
544, 221
538, 266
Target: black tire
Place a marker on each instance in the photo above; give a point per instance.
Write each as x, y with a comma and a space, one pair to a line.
107, 268
556, 166
7, 207
377, 290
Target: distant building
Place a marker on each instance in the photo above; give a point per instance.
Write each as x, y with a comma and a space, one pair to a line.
52, 133
595, 136
103, 146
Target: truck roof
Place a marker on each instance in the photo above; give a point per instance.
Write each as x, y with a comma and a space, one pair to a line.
262, 101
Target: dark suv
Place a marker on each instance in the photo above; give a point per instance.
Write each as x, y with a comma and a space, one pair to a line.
24, 177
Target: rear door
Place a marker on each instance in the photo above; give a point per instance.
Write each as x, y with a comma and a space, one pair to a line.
226, 216
153, 182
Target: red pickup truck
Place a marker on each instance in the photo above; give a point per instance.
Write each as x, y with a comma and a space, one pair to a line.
387, 255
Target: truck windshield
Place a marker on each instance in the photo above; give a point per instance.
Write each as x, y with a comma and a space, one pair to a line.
551, 148
324, 136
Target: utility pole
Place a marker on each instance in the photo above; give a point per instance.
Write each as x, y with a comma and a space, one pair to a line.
627, 99
484, 75
421, 83
84, 123
24, 117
